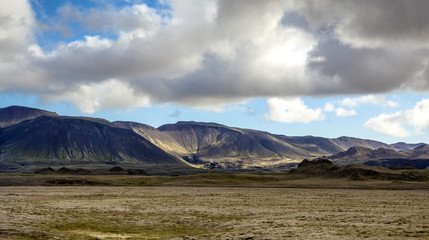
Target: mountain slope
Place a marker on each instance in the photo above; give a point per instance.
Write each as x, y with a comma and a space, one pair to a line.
159, 138
362, 154
401, 146
77, 140
16, 114
37, 135
216, 142
347, 142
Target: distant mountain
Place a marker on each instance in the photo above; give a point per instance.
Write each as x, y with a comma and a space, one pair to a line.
347, 142
363, 154
401, 146
33, 136
159, 138
326, 169
215, 142
74, 140
16, 114
360, 154
199, 143
420, 152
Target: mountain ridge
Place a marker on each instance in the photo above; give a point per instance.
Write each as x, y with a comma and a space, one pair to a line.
15, 114
193, 143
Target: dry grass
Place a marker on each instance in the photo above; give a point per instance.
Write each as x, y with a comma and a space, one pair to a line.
211, 213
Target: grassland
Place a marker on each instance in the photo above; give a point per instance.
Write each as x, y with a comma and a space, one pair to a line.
304, 204
171, 212
244, 179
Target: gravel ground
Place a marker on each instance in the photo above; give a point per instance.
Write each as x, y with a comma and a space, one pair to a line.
211, 213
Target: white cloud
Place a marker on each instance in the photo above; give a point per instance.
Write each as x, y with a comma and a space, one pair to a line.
290, 110
396, 124
368, 99
208, 54
111, 94
341, 112
329, 107
16, 25
390, 124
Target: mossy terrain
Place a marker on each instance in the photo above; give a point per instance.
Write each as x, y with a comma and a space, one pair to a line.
165, 212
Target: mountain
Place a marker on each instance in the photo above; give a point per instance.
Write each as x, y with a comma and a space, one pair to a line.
215, 142
212, 141
36, 136
420, 152
359, 154
326, 169
363, 155
347, 142
315, 145
401, 146
200, 143
16, 114
158, 138
73, 140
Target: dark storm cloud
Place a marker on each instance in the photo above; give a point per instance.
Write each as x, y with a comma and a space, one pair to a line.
210, 53
363, 70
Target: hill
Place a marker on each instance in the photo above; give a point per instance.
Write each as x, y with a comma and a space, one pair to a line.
71, 140
417, 157
34, 136
16, 114
325, 168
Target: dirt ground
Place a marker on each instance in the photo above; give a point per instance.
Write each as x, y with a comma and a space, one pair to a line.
82, 212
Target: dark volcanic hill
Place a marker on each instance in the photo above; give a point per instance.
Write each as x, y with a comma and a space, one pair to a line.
325, 168
215, 142
362, 155
159, 138
77, 140
30, 135
16, 114
211, 141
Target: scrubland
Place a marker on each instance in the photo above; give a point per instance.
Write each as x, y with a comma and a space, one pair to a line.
185, 212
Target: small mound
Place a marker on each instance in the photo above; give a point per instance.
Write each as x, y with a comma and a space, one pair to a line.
45, 171
318, 162
315, 167
116, 169
355, 172
78, 171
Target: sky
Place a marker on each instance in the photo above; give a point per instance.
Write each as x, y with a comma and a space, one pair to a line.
296, 67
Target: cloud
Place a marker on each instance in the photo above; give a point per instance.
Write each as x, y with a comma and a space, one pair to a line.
175, 114
368, 99
398, 123
105, 95
291, 110
329, 107
372, 24
341, 112
16, 23
208, 54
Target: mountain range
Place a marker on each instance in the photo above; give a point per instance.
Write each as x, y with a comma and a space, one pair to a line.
34, 137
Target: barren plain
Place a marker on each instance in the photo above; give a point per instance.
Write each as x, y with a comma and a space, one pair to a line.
174, 212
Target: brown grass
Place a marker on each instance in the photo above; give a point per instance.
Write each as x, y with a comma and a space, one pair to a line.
211, 213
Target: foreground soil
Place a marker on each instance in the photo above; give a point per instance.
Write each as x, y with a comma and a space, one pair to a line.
173, 212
